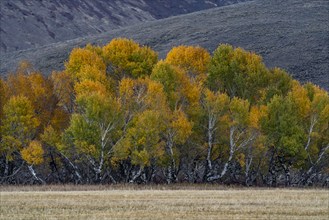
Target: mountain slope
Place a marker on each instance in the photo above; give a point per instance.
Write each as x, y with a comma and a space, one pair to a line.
290, 34
26, 24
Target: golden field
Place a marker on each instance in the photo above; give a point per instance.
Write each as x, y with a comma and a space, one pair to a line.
99, 202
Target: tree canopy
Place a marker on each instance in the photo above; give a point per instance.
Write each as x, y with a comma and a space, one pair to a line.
118, 114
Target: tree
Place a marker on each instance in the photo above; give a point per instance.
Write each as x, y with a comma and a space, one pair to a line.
240, 135
116, 114
238, 73
142, 146
215, 105
126, 58
87, 87
316, 127
81, 60
285, 136
93, 130
18, 128
252, 156
181, 92
280, 84
174, 83
177, 130
40, 92
194, 60
19, 121
140, 98
33, 155
63, 89
52, 139
3, 97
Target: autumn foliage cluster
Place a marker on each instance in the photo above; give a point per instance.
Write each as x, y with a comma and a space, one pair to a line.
118, 114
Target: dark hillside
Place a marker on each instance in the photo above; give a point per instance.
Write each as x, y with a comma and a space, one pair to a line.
26, 24
290, 34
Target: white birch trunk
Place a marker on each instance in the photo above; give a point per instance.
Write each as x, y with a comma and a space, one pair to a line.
171, 170
73, 166
34, 174
136, 175
310, 170
313, 122
232, 151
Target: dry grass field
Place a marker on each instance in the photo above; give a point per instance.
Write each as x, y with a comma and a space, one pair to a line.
162, 203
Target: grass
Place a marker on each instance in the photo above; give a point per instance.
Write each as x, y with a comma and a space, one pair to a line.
161, 202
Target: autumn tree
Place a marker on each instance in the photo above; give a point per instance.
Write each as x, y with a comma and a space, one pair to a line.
193, 60
33, 155
174, 83
40, 92
53, 140
215, 106
178, 129
183, 95
18, 129
315, 123
251, 159
19, 120
63, 89
117, 114
81, 60
142, 145
280, 83
180, 91
238, 73
140, 98
126, 58
3, 100
285, 136
93, 129
239, 133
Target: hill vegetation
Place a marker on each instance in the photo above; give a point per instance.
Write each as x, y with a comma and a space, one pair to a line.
118, 114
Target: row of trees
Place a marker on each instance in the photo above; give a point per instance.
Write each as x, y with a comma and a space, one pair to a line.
117, 114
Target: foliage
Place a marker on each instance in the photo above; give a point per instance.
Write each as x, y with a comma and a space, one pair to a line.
117, 114
238, 73
33, 154
194, 60
18, 126
126, 58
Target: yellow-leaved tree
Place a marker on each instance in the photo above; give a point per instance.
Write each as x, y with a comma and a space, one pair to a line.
18, 129
194, 60
126, 58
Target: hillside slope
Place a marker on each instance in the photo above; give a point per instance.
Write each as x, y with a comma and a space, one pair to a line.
25, 24
290, 34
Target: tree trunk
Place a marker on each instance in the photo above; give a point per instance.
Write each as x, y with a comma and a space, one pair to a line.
309, 172
35, 175
247, 171
74, 168
313, 122
232, 151
211, 125
135, 175
6, 168
271, 179
287, 174
171, 169
208, 167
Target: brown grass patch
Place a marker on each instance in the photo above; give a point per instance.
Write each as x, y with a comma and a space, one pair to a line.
163, 203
